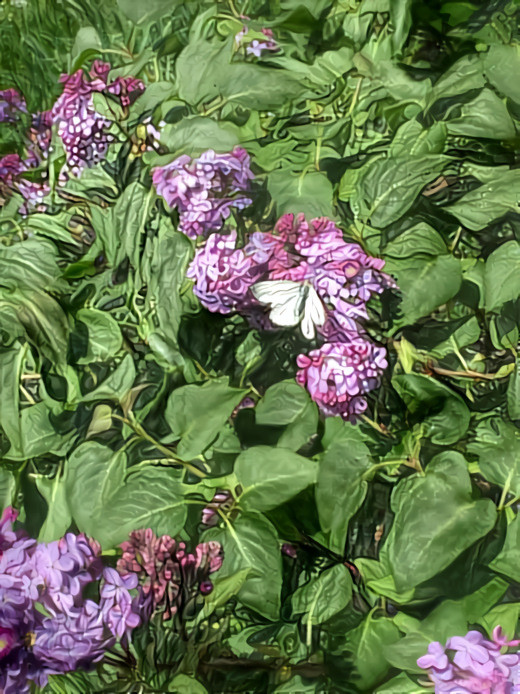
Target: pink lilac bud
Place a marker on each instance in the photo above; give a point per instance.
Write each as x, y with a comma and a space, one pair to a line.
338, 375
204, 190
11, 104
289, 550
473, 665
221, 500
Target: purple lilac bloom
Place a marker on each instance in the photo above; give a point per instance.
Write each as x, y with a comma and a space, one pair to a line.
339, 374
167, 573
11, 103
473, 665
223, 273
48, 626
83, 131
204, 190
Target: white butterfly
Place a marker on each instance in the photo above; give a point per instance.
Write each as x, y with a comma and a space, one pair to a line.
291, 303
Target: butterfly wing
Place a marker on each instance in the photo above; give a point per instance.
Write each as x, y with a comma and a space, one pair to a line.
313, 314
285, 298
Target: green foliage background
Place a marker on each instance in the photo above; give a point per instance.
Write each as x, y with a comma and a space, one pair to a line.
398, 119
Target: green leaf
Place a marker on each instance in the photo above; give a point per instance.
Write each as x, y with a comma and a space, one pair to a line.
447, 417
367, 642
282, 404
37, 435
485, 116
497, 445
196, 414
271, 476
204, 71
421, 239
309, 193
31, 264
142, 12
436, 518
94, 474
117, 384
324, 596
150, 498
387, 187
196, 134
513, 392
253, 544
341, 486
7, 487
165, 277
501, 65
401, 684
507, 560
104, 335
502, 275
59, 516
493, 199
425, 284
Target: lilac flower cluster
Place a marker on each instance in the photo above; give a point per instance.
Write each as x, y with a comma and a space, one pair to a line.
472, 664
205, 189
48, 627
347, 365
167, 574
83, 131
256, 47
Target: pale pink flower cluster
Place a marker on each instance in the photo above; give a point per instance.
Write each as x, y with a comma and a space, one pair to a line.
347, 364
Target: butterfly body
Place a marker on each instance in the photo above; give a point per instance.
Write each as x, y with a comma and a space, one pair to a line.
291, 304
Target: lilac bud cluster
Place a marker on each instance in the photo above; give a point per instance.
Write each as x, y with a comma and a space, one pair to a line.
204, 190
472, 664
48, 626
167, 574
347, 364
